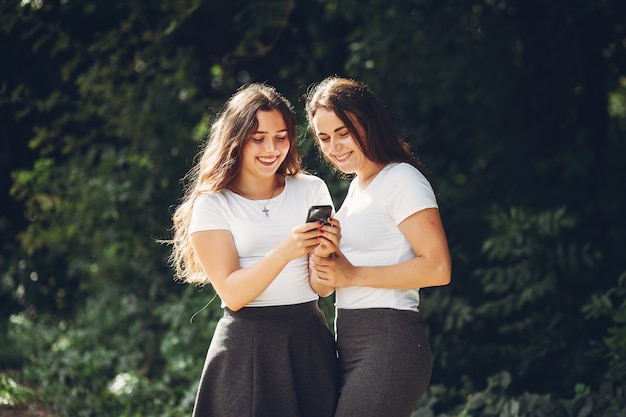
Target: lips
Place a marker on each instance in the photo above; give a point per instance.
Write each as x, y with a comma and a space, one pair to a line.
268, 160
343, 156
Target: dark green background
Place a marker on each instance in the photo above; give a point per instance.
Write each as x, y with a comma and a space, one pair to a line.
518, 108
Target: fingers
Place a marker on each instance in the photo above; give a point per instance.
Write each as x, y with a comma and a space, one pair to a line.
306, 231
300, 242
316, 236
334, 223
324, 276
331, 233
316, 261
304, 239
329, 239
312, 231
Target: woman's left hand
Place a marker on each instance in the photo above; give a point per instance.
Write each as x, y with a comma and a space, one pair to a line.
329, 239
335, 271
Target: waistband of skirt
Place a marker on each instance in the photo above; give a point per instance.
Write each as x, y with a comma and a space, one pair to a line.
283, 311
367, 313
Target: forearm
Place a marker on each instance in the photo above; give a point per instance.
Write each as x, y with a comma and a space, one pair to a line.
246, 284
415, 273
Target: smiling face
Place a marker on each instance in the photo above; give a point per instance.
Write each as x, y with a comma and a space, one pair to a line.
338, 144
267, 147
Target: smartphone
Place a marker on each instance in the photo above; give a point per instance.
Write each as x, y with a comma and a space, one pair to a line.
319, 214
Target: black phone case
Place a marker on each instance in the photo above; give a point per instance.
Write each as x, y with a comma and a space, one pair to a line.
319, 214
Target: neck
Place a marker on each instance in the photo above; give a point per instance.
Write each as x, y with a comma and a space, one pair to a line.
256, 189
368, 173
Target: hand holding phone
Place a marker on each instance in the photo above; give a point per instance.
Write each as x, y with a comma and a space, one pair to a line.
320, 214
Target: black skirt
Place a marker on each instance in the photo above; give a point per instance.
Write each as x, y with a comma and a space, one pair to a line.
270, 361
385, 362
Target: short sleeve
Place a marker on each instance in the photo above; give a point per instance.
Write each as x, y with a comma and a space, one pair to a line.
208, 214
409, 191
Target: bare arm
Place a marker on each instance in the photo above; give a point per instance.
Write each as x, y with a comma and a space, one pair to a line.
238, 286
329, 243
431, 267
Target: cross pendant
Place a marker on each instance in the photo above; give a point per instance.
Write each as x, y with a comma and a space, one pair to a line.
265, 210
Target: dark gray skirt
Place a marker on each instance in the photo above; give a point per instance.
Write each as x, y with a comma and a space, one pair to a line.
269, 361
385, 362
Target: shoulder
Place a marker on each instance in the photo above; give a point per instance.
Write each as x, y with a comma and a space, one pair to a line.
404, 172
208, 198
210, 212
399, 168
403, 180
210, 195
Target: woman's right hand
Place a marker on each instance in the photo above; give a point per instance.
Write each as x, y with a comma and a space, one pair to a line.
238, 286
301, 241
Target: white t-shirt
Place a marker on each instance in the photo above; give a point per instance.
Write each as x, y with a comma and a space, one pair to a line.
255, 234
370, 235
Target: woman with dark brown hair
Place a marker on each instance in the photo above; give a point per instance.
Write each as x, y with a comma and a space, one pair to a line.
392, 244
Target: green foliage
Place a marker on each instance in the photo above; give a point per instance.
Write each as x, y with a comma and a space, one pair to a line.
612, 346
524, 318
12, 393
516, 108
492, 402
496, 400
119, 356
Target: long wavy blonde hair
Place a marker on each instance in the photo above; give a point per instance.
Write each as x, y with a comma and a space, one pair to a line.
220, 163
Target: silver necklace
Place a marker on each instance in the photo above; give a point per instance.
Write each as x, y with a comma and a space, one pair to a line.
265, 209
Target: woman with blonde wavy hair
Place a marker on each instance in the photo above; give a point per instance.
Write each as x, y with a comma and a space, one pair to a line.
241, 228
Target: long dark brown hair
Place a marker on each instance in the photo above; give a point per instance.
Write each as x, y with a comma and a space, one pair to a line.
354, 103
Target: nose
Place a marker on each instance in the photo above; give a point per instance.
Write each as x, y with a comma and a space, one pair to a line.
270, 146
334, 144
